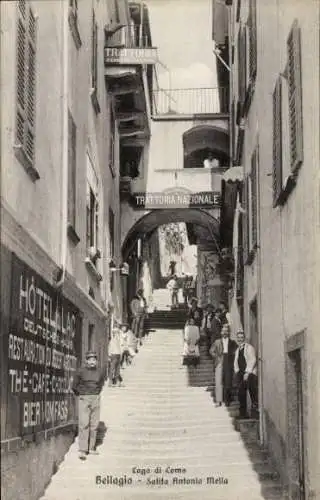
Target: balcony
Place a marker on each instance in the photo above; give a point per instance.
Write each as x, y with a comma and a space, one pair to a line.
129, 60
129, 170
129, 46
177, 103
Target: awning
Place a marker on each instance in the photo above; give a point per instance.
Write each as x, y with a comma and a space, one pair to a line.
233, 174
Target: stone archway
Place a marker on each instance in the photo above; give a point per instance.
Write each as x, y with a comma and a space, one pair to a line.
155, 218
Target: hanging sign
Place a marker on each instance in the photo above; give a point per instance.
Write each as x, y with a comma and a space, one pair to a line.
203, 199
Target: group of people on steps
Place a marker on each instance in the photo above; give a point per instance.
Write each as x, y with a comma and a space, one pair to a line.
235, 364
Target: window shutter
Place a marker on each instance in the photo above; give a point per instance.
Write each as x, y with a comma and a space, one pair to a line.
22, 8
246, 220
277, 143
21, 49
88, 230
26, 80
252, 24
295, 97
254, 199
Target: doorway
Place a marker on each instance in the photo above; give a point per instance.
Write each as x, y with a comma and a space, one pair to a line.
296, 417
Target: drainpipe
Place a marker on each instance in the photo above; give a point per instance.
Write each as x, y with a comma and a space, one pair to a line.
64, 142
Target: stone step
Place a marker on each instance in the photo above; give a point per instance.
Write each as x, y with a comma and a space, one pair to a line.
165, 416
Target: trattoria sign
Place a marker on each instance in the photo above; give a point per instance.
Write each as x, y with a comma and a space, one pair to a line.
204, 199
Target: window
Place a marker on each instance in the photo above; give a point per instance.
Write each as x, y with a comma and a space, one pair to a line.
111, 245
242, 69
252, 27
73, 22
112, 134
94, 63
254, 200
92, 213
111, 233
26, 88
238, 11
72, 179
92, 218
246, 221
295, 97
91, 337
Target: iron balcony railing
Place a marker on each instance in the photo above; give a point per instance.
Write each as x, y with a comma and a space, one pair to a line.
191, 101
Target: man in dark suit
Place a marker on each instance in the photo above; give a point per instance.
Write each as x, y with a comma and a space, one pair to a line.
215, 327
223, 351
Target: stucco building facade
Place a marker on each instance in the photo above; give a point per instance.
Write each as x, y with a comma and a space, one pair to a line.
60, 223
274, 99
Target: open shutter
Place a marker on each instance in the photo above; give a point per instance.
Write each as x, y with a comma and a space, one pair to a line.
94, 55
246, 221
295, 97
21, 81
277, 143
26, 79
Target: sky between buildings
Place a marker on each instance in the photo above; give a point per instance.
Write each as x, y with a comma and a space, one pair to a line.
181, 29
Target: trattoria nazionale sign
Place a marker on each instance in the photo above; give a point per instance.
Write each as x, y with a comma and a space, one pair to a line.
203, 199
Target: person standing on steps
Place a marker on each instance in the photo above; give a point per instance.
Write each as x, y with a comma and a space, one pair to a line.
245, 370
195, 312
191, 353
224, 314
114, 351
215, 326
172, 267
87, 385
138, 309
223, 351
206, 324
173, 287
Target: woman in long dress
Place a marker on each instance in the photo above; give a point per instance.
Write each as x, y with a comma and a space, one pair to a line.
191, 354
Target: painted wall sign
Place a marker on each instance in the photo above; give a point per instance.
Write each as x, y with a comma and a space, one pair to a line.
204, 199
43, 344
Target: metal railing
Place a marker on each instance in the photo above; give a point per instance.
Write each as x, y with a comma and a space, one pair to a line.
130, 36
191, 101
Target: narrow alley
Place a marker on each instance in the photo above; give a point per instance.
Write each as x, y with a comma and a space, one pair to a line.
161, 433
159, 254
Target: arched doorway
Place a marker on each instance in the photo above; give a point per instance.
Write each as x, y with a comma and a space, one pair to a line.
203, 141
200, 223
156, 218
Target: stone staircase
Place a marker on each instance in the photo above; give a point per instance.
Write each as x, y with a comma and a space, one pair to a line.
162, 437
